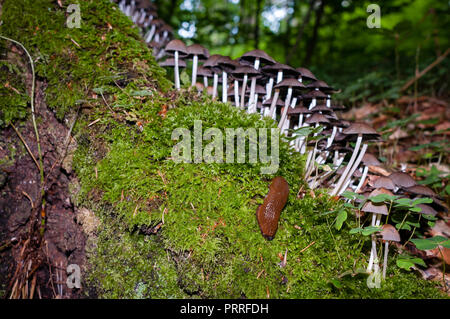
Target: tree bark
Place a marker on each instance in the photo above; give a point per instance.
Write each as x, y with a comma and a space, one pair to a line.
300, 31
313, 41
257, 21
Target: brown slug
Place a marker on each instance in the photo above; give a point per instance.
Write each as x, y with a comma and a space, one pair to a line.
268, 213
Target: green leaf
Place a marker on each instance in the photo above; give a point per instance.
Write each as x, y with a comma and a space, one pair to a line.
406, 262
381, 198
437, 239
418, 201
336, 283
341, 218
424, 244
404, 226
446, 244
370, 230
357, 230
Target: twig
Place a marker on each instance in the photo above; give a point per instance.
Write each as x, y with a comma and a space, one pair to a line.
26, 146
307, 247
428, 68
29, 198
41, 165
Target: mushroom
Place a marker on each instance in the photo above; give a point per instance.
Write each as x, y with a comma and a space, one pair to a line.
305, 74
178, 48
373, 259
259, 90
384, 182
388, 234
316, 119
278, 71
377, 211
257, 57
267, 105
360, 130
288, 85
166, 31
144, 7
155, 23
402, 180
244, 71
300, 111
227, 65
368, 160
212, 64
206, 73
196, 52
170, 62
421, 190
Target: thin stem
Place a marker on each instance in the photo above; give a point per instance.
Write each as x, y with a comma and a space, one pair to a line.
443, 269
41, 165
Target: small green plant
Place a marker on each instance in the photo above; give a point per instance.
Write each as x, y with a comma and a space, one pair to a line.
404, 213
435, 242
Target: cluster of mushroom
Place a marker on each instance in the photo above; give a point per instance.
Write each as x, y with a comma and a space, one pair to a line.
144, 14
259, 84
399, 184
293, 97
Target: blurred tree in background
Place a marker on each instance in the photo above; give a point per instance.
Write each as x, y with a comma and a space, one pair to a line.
329, 37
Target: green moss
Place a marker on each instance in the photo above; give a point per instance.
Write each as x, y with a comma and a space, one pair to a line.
13, 97
209, 244
106, 48
210, 227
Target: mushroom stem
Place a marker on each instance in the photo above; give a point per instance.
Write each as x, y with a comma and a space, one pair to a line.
363, 179
369, 267
269, 89
142, 17
216, 80
205, 82
236, 93
286, 107
272, 110
386, 250
224, 87
331, 138
287, 121
150, 34
177, 72
194, 70
251, 100
244, 86
349, 166
373, 261
352, 170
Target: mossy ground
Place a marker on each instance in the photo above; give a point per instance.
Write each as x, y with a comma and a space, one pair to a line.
210, 244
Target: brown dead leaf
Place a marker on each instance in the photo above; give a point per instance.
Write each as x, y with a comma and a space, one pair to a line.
398, 134
379, 170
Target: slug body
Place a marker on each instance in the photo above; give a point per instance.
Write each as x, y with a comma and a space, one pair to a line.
268, 213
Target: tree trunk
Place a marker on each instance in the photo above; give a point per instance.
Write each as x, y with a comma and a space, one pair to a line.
257, 20
313, 41
300, 31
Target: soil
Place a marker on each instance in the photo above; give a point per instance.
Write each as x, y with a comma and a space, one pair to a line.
63, 241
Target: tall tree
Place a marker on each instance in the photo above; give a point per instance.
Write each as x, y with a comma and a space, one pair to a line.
298, 39
257, 22
312, 42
